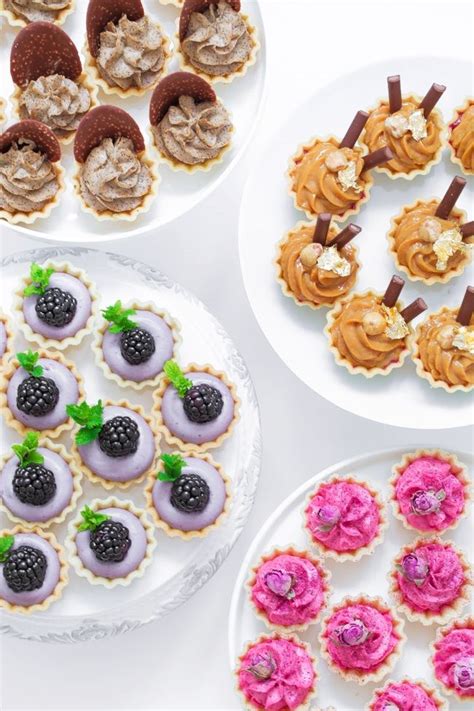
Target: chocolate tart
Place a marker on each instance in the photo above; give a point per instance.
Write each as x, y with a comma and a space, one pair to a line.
54, 571
71, 293
437, 703
44, 63
64, 386
108, 24
190, 128
172, 420
174, 509
196, 15
48, 490
6, 340
18, 18
137, 543
34, 142
461, 137
108, 145
148, 337
461, 653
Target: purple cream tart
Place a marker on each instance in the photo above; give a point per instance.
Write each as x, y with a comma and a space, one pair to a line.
188, 496
115, 442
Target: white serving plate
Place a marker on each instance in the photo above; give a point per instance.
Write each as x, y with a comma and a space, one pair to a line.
179, 567
178, 192
284, 527
267, 212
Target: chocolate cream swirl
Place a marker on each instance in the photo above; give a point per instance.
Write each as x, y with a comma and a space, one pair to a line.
114, 178
440, 357
311, 283
462, 138
131, 53
28, 180
33, 10
55, 100
217, 41
193, 132
409, 154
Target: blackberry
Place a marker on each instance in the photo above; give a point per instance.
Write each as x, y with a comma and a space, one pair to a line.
137, 346
119, 437
34, 484
110, 541
25, 569
56, 307
190, 493
37, 396
203, 403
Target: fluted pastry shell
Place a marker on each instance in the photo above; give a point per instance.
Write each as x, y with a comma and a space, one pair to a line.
16, 21
457, 113
28, 218
10, 338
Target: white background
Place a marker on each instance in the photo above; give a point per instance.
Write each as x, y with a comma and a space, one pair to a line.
181, 662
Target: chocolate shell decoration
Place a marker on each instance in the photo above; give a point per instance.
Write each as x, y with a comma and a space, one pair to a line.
30, 130
42, 49
414, 569
427, 502
105, 122
351, 634
101, 12
169, 90
191, 6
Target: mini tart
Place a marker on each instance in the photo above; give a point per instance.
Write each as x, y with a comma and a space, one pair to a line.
312, 282
9, 418
308, 691
114, 483
46, 143
401, 351
395, 689
16, 21
49, 543
387, 663
381, 525
175, 441
204, 531
435, 119
453, 644
460, 482
32, 336
200, 6
430, 329
99, 125
6, 339
98, 505
168, 93
97, 347
99, 15
354, 201
458, 140
437, 584
76, 477
324, 577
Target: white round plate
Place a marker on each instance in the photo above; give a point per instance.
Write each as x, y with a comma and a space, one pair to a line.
178, 192
179, 567
368, 576
267, 212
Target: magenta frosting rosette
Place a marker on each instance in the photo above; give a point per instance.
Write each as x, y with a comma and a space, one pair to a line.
453, 658
405, 696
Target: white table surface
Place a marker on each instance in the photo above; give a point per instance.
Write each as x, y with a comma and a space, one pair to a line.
181, 661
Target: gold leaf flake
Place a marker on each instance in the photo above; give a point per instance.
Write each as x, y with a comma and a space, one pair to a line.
448, 243
348, 177
331, 261
396, 324
464, 339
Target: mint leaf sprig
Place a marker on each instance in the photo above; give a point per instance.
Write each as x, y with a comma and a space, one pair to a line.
90, 418
39, 280
27, 451
29, 361
119, 318
173, 466
6, 543
91, 520
175, 374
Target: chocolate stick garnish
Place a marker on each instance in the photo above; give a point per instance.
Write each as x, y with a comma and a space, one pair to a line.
381, 155
452, 193
413, 310
394, 93
431, 99
322, 227
345, 236
393, 291
466, 308
467, 230
354, 130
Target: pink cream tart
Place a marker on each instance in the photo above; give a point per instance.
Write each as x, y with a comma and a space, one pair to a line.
403, 696
429, 494
276, 674
453, 659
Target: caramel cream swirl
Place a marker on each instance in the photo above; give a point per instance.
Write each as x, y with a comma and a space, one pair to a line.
439, 339
58, 102
462, 138
33, 10
28, 180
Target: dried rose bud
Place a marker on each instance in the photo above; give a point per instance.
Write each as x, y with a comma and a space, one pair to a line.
414, 569
426, 502
280, 583
328, 515
389, 706
352, 634
464, 673
262, 667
